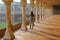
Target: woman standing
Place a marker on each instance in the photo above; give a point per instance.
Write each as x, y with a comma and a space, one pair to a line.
32, 19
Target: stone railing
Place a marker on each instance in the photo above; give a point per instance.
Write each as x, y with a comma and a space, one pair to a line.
14, 28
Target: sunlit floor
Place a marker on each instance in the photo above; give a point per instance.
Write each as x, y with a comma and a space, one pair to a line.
49, 29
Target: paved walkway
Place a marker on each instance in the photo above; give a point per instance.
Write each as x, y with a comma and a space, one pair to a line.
49, 29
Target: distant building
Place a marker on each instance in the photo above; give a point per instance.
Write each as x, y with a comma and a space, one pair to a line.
16, 11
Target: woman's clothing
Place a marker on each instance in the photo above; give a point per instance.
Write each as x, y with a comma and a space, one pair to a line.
32, 19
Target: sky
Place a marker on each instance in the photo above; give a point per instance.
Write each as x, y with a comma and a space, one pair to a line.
28, 1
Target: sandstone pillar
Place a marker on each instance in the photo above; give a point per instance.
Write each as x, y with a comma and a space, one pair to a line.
9, 33
24, 26
41, 10
37, 7
32, 4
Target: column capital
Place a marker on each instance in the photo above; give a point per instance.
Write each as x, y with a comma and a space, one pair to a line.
23, 2
37, 3
7, 1
32, 3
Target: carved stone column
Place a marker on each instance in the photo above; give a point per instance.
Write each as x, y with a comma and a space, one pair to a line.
32, 4
24, 26
41, 10
37, 7
9, 33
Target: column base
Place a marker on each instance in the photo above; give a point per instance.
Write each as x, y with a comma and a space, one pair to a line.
9, 35
24, 28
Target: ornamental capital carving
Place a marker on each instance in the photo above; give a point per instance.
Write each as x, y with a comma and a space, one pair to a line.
23, 2
7, 1
32, 3
37, 3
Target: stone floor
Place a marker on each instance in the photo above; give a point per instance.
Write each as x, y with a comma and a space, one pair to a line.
49, 29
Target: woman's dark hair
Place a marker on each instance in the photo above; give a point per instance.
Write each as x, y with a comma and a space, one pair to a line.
31, 13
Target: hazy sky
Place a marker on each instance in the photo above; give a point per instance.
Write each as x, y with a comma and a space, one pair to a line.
28, 1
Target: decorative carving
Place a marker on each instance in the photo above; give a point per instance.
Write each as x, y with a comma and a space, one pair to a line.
37, 3
23, 2
32, 3
7, 1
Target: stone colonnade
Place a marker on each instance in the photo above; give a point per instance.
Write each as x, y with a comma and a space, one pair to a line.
9, 33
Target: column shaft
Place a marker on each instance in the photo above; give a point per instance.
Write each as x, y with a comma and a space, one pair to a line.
23, 15
37, 15
8, 15
24, 26
9, 33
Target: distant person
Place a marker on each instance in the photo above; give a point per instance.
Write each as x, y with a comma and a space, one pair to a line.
32, 19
